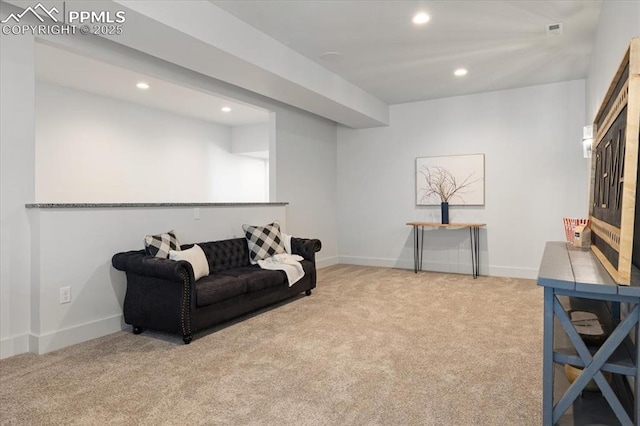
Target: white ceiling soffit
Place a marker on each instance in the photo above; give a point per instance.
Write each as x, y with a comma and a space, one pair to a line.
78, 72
204, 38
503, 44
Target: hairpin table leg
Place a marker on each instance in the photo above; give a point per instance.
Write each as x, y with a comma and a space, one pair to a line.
474, 233
418, 239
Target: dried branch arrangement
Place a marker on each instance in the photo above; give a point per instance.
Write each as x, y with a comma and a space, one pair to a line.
442, 183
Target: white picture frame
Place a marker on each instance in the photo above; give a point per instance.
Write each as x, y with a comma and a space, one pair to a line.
459, 177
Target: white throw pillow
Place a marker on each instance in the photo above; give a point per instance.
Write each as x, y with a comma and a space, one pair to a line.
286, 239
196, 257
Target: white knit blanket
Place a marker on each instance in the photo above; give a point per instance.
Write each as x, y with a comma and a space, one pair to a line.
289, 263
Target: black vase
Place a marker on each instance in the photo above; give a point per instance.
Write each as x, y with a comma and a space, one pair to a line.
444, 209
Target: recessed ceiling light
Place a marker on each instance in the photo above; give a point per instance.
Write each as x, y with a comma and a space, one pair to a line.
142, 85
460, 72
420, 18
226, 109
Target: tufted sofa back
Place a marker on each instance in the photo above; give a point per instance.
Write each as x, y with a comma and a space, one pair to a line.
226, 254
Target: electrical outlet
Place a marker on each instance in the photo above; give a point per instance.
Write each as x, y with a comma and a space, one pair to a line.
65, 295
196, 213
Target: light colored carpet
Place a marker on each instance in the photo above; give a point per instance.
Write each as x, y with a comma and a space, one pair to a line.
371, 346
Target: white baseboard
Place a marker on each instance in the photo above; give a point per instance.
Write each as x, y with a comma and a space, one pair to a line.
380, 262
454, 268
327, 261
73, 335
511, 272
15, 345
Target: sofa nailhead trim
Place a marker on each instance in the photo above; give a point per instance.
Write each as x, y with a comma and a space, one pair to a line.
186, 322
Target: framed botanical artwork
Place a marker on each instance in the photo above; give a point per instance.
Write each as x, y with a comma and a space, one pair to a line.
454, 179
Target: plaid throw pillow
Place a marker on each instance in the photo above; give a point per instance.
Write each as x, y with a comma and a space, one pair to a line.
263, 241
159, 245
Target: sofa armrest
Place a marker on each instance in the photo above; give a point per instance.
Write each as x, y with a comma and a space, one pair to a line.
139, 263
306, 247
160, 293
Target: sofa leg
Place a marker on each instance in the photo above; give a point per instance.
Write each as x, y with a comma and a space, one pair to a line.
137, 330
308, 292
187, 338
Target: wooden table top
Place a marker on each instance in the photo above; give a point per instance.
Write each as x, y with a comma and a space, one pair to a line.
569, 268
447, 225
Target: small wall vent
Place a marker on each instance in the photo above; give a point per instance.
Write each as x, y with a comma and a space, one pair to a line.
555, 29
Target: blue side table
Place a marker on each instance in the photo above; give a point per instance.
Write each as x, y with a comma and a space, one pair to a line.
576, 273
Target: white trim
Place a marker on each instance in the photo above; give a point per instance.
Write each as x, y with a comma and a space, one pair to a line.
455, 268
77, 334
15, 345
511, 272
373, 261
327, 261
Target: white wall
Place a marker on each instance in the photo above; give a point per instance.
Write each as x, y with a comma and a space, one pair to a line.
90, 148
619, 22
17, 181
306, 153
251, 140
534, 175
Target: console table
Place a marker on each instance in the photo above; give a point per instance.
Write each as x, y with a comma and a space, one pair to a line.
474, 233
576, 273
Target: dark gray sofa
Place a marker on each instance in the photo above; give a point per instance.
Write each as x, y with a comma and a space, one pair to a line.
162, 294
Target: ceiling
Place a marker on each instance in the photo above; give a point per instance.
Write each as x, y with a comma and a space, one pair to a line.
78, 72
503, 44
